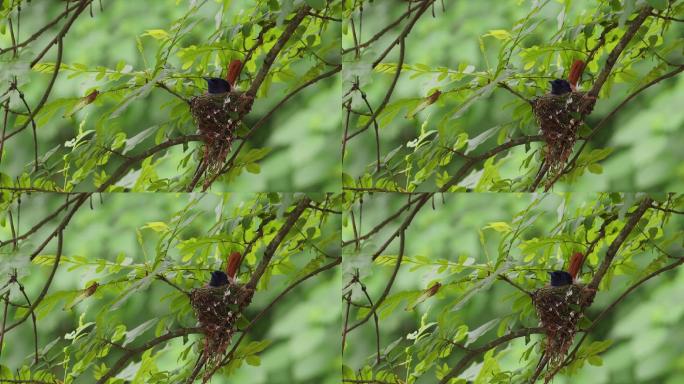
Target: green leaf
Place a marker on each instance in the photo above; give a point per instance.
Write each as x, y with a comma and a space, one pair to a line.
500, 34
481, 330
157, 226
499, 226
253, 168
158, 34
595, 168
595, 360
139, 330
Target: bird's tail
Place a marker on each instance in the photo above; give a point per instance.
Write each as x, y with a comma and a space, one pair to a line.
575, 264
575, 74
233, 264
233, 71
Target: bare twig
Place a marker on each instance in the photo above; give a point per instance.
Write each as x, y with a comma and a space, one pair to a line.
388, 287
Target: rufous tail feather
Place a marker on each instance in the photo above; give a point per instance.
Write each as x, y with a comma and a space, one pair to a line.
233, 71
233, 264
575, 74
575, 264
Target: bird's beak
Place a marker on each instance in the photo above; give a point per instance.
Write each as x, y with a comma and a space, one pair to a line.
206, 78
550, 81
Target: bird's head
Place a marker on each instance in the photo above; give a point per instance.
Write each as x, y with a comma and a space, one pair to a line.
560, 278
560, 86
218, 278
217, 85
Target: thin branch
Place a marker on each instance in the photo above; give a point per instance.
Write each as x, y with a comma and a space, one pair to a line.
231, 161
62, 32
615, 53
46, 94
124, 167
469, 357
273, 302
38, 33
275, 50
123, 360
381, 225
388, 287
169, 90
4, 321
46, 286
169, 282
388, 95
514, 92
402, 36
465, 168
617, 243
612, 113
381, 32
39, 224
275, 243
515, 285
617, 301
424, 198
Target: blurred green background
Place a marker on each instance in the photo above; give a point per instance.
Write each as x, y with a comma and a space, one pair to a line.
647, 134
302, 327
643, 327
301, 134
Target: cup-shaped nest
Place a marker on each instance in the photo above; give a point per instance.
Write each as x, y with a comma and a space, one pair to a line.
559, 118
219, 306
217, 309
559, 310
217, 117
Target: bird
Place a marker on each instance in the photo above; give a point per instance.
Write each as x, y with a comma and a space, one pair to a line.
561, 278
217, 86
218, 279
561, 86
233, 265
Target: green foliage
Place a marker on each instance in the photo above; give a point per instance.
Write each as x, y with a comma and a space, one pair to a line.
126, 266
458, 301
117, 117
478, 130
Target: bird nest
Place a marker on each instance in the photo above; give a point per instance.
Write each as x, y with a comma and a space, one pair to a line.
559, 117
560, 310
217, 309
218, 117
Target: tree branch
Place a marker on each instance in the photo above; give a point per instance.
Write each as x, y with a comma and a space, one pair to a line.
275, 243
617, 243
470, 356
275, 50
615, 53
